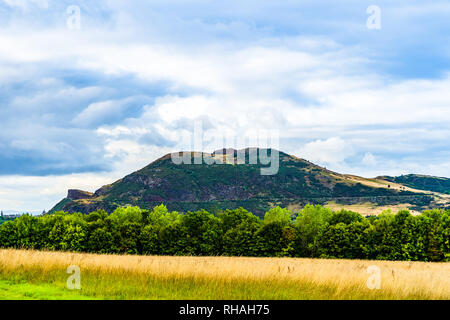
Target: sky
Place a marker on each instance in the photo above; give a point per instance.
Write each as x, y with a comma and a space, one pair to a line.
91, 91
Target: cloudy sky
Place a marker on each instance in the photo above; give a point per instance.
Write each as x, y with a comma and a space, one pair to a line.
81, 107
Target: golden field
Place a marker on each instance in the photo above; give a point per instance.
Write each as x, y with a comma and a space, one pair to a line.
33, 274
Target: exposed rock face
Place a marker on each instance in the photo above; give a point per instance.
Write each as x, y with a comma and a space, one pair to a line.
79, 194
102, 191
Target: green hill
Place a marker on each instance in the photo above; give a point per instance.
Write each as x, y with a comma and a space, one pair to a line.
422, 182
214, 187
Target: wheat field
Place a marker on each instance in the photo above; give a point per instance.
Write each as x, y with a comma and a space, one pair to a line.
149, 277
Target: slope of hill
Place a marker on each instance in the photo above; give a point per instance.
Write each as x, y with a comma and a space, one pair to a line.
231, 184
422, 182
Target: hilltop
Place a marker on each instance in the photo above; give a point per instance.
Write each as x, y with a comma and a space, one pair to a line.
233, 183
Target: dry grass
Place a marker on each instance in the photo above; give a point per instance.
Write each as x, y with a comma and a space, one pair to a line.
146, 277
369, 208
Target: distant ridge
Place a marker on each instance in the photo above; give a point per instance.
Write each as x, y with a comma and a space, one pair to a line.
422, 182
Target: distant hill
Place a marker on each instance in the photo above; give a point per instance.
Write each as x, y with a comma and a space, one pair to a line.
16, 212
422, 182
214, 187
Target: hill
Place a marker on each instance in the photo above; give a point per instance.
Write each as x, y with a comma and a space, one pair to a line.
232, 183
422, 182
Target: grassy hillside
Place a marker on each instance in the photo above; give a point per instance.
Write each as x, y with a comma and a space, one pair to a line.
422, 182
42, 275
227, 186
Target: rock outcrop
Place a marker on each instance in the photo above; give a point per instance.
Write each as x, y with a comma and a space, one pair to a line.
74, 194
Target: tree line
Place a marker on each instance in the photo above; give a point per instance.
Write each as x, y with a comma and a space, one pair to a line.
315, 232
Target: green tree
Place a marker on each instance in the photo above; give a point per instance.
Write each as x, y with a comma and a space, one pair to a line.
232, 218
68, 232
127, 214
345, 217
100, 233
310, 224
345, 241
316, 232
275, 239
157, 220
278, 214
241, 239
27, 229
8, 235
203, 233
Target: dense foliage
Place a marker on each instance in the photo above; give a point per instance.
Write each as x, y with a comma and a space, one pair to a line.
314, 232
4, 219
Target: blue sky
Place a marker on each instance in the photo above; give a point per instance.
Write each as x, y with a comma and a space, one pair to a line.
81, 108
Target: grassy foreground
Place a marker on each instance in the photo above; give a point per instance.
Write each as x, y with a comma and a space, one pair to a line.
42, 275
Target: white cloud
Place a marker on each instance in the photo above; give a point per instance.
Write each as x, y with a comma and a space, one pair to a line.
28, 194
369, 159
24, 4
131, 155
331, 151
100, 112
121, 130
